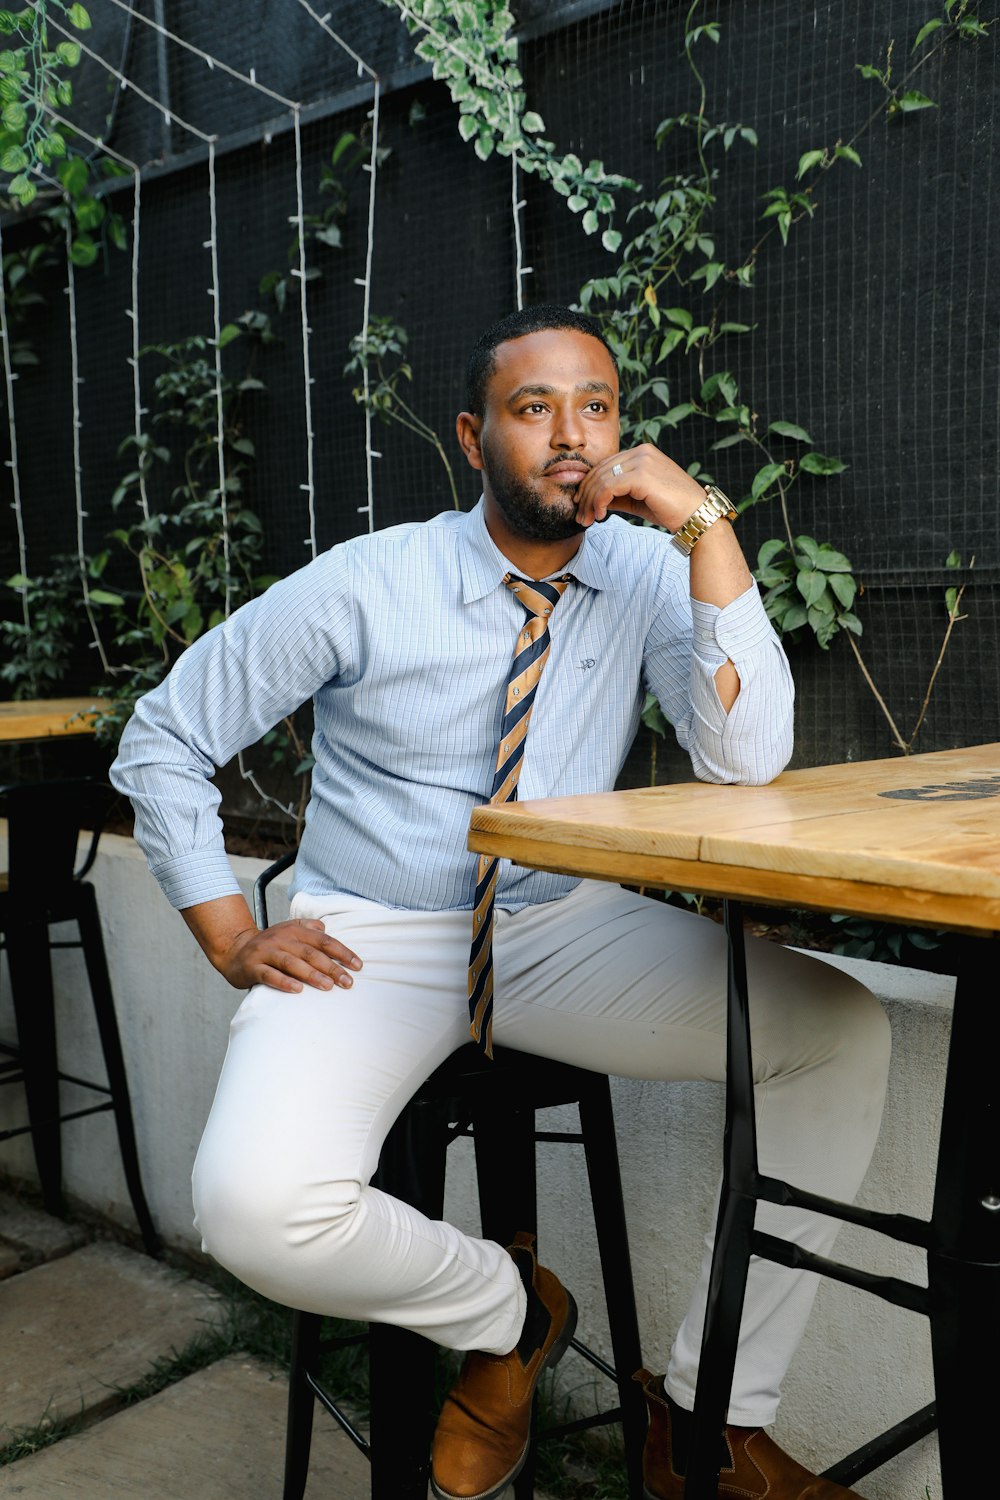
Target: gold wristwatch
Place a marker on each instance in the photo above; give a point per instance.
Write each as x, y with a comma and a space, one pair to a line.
715, 507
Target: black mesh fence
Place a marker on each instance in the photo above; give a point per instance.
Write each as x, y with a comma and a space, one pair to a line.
874, 328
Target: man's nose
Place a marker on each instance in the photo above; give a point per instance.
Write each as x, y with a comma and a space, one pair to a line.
568, 430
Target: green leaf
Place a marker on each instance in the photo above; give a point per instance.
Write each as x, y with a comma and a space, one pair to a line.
912, 100
576, 203
78, 16
611, 239
73, 175
653, 716
925, 31
769, 551
844, 588
830, 560
678, 413
13, 158
764, 478
848, 621
68, 53
789, 430
532, 122
819, 463
89, 213
590, 221
102, 596
83, 251
345, 139
808, 160
227, 333
467, 127
678, 315
811, 585
794, 617
671, 339
14, 116
953, 560
23, 189
848, 153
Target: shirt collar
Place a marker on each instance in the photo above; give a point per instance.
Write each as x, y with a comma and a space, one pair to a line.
483, 565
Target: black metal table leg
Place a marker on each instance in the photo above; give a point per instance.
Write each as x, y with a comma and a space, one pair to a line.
963, 1264
731, 1255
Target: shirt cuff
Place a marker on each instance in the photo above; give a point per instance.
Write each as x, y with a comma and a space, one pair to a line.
733, 631
202, 875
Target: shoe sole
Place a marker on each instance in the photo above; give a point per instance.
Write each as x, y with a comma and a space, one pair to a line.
553, 1357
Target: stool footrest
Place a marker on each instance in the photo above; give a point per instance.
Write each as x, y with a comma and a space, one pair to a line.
893, 1441
889, 1288
340, 1417
904, 1227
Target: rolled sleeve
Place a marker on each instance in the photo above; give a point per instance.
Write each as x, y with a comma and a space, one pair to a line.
752, 743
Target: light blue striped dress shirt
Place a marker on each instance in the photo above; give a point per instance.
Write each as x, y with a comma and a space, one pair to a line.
403, 639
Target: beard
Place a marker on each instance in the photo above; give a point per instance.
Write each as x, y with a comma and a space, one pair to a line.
527, 514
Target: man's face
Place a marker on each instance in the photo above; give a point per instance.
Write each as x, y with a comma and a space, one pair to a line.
551, 414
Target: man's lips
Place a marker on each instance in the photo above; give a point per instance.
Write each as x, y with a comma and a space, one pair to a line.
568, 473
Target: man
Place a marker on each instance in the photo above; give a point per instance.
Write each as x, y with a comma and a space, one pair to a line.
405, 641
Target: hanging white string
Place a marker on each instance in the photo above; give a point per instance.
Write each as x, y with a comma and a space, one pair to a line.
76, 380
516, 205
10, 375
365, 281
307, 379
366, 315
212, 245
132, 312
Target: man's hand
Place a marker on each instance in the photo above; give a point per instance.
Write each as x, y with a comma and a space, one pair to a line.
650, 486
286, 956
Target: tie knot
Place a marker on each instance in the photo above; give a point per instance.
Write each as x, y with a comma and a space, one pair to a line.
538, 598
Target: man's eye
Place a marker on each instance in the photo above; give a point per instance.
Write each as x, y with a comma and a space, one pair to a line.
597, 405
535, 406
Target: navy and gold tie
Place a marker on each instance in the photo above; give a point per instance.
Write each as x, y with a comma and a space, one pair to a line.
530, 653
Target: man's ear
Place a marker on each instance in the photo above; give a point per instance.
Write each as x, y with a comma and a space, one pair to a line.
467, 429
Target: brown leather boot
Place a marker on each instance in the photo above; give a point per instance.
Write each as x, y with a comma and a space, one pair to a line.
752, 1466
482, 1433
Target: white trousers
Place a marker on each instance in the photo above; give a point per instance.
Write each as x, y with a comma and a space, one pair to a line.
601, 978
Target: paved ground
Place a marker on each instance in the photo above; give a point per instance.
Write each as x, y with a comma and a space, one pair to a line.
82, 1320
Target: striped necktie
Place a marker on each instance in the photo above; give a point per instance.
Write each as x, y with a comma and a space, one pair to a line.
530, 653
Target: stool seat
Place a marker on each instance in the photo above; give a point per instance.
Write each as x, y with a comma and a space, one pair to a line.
41, 886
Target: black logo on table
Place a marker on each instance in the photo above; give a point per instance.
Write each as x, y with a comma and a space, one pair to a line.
960, 791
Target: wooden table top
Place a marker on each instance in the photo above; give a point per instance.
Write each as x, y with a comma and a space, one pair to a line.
913, 839
38, 718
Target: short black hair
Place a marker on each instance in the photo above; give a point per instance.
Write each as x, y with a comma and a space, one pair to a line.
538, 319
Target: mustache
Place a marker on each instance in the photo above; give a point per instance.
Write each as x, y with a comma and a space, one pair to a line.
566, 458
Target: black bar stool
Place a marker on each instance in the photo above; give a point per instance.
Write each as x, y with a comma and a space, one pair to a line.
495, 1103
41, 886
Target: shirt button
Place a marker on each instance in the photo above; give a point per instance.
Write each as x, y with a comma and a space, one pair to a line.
517, 692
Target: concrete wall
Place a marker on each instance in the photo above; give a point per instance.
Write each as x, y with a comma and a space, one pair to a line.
863, 1364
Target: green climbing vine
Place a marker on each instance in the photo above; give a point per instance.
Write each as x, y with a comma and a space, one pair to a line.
664, 312
471, 47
